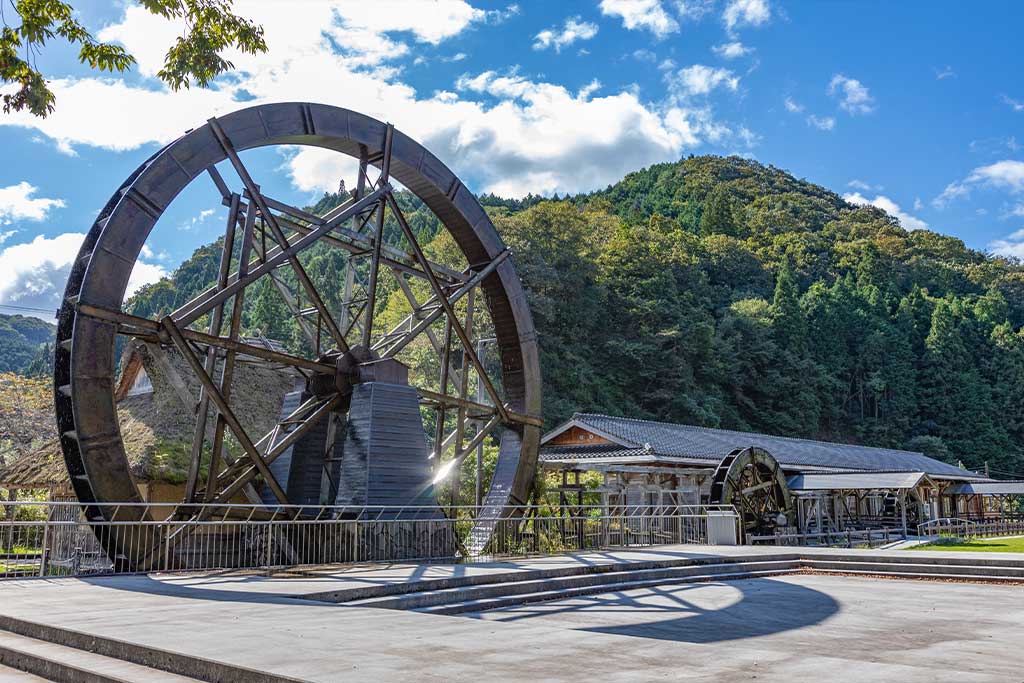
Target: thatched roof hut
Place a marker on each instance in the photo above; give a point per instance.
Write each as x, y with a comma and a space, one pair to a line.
156, 402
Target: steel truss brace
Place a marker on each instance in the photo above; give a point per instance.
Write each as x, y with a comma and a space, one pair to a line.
151, 330
389, 348
194, 309
271, 220
449, 308
223, 408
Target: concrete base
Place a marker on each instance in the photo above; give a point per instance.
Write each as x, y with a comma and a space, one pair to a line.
785, 628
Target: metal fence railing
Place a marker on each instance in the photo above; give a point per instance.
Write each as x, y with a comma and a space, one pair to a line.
850, 538
69, 539
966, 529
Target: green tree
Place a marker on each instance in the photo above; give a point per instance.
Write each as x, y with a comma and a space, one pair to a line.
195, 56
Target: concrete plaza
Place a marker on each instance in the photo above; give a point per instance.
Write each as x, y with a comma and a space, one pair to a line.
786, 628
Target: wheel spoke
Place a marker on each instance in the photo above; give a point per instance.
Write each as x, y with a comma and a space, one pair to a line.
448, 307
275, 449
199, 435
455, 374
388, 346
268, 216
378, 241
225, 410
227, 376
275, 258
151, 330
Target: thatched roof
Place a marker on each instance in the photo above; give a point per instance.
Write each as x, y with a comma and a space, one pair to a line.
157, 427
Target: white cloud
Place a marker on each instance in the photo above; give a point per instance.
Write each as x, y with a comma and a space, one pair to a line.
942, 74
792, 106
694, 10
641, 14
503, 133
952, 191
853, 95
1011, 245
740, 13
732, 50
822, 122
143, 274
918, 204
1007, 175
865, 187
890, 207
431, 22
701, 80
33, 273
1015, 105
644, 55
748, 137
4, 236
17, 203
574, 29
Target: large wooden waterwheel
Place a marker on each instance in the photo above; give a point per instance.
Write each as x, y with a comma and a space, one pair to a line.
265, 237
751, 480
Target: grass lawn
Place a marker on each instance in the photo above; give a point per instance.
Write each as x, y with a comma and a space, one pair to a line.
981, 545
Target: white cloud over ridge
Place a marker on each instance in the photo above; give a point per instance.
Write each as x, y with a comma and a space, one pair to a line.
17, 204
573, 30
1012, 245
853, 96
1007, 174
33, 274
890, 207
503, 133
641, 14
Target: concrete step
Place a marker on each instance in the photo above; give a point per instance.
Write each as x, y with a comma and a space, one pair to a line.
514, 585
907, 573
9, 675
351, 595
508, 589
69, 665
63, 654
484, 604
925, 568
920, 557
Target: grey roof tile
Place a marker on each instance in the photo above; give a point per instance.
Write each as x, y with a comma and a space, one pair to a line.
687, 441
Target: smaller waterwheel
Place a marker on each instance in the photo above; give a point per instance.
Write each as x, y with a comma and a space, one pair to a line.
751, 480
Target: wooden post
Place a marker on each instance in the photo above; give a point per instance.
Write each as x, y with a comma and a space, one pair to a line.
903, 511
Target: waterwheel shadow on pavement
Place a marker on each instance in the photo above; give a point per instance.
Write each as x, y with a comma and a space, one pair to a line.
765, 607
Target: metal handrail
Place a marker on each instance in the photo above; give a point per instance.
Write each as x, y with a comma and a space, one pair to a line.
945, 523
841, 538
201, 537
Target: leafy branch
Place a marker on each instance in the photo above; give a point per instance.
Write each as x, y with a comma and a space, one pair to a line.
211, 28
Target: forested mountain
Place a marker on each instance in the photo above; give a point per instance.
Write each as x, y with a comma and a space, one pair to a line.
25, 344
721, 292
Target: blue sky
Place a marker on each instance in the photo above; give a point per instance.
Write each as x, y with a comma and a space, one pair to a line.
915, 107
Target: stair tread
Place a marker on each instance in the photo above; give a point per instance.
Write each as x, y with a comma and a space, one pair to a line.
513, 580
890, 563
927, 575
115, 669
544, 596
12, 675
